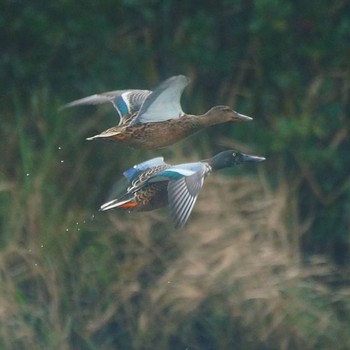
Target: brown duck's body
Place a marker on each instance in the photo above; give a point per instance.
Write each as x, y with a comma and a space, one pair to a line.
155, 135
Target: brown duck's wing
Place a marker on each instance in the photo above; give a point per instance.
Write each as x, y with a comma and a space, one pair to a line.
129, 103
126, 102
96, 99
164, 102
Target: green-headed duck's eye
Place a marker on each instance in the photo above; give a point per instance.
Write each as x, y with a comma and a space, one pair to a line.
234, 154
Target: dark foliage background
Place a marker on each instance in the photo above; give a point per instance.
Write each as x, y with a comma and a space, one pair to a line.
286, 63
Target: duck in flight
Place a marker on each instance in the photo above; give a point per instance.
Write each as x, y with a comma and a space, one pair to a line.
155, 119
154, 184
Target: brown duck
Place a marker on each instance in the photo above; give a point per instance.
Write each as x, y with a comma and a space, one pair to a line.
154, 119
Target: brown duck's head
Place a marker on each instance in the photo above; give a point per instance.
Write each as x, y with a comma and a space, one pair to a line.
227, 113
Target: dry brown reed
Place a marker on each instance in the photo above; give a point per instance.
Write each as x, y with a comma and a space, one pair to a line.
238, 253
234, 278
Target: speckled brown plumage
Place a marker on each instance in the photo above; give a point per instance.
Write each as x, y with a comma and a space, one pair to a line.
150, 197
161, 134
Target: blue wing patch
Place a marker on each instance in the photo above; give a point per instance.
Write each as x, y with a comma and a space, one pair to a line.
173, 174
121, 106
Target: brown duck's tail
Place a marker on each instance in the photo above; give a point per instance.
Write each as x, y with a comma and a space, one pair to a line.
108, 135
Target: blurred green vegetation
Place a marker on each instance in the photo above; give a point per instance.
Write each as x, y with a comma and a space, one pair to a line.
263, 266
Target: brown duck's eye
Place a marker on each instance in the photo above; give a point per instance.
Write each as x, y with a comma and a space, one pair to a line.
234, 154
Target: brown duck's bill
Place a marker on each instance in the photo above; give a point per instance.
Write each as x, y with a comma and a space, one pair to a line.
243, 118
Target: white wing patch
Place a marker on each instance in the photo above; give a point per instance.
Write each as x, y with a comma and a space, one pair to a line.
182, 196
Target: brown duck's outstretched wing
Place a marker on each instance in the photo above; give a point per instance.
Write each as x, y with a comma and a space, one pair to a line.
126, 102
164, 102
97, 99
